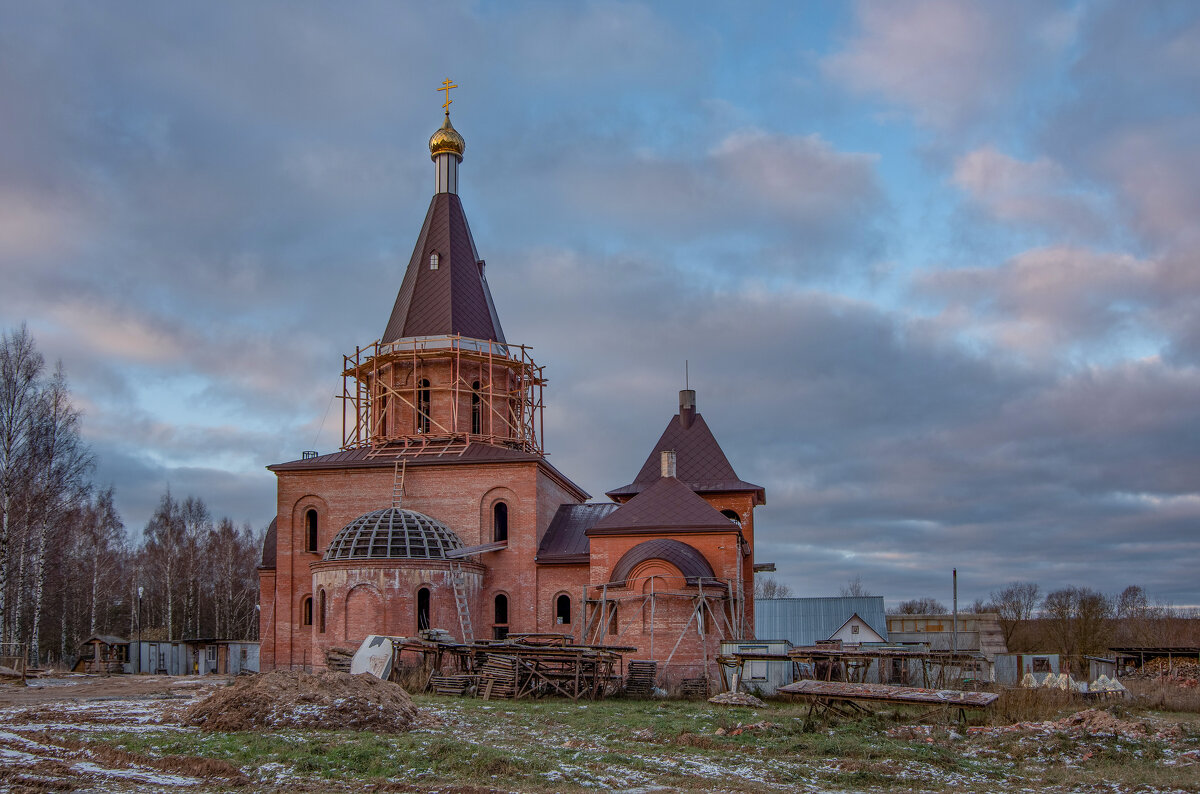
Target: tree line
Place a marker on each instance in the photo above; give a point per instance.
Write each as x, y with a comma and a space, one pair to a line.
68, 568
1073, 621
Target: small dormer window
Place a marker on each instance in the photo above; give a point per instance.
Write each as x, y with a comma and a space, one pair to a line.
433, 261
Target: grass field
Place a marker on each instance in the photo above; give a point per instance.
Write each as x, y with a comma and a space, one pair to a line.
551, 746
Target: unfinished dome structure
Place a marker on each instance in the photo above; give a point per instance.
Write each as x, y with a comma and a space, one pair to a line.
389, 571
393, 533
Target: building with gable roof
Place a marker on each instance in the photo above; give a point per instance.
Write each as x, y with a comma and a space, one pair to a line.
442, 511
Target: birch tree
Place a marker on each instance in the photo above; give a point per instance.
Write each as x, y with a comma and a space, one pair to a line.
20, 367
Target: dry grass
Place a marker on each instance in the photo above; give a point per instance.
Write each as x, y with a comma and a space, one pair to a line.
1160, 695
1032, 705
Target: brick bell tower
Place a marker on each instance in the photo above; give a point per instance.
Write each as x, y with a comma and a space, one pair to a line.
442, 375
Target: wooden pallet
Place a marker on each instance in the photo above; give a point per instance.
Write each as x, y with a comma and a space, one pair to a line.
639, 682
498, 677
451, 684
694, 688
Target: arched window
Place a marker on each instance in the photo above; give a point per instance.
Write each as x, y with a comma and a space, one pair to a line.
500, 624
423, 609
423, 406
500, 522
562, 610
383, 415
476, 410
732, 516
310, 530
321, 619
306, 611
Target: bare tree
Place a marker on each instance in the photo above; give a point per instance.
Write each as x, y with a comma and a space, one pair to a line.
61, 466
921, 606
20, 367
770, 587
1014, 604
1079, 621
855, 588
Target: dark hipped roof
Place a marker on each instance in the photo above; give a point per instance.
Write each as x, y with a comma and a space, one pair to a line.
699, 462
362, 458
268, 549
667, 505
687, 559
566, 538
454, 299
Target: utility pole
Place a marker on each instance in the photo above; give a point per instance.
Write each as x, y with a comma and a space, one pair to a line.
139, 627
954, 625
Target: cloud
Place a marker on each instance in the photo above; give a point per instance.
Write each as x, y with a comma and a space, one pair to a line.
947, 63
1047, 300
1036, 193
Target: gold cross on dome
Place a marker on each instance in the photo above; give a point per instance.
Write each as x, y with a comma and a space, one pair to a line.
446, 86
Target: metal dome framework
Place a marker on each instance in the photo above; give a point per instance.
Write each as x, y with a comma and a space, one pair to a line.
393, 533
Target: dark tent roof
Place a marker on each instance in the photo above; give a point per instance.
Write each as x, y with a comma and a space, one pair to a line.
268, 549
699, 462
668, 504
454, 299
688, 560
566, 538
476, 452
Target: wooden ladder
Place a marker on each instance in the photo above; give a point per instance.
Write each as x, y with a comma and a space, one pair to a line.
398, 483
458, 581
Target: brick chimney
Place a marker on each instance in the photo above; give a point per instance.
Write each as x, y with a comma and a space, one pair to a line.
668, 463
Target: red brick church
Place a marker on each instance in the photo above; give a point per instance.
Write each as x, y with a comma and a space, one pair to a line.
442, 511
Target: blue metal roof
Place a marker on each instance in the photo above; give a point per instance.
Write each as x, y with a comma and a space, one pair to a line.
804, 621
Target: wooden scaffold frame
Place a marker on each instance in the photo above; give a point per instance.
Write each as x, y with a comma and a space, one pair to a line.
509, 397
720, 599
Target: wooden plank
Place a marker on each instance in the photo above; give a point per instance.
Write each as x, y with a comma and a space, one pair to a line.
836, 690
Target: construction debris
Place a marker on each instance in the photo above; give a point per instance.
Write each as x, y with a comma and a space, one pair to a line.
737, 699
338, 659
288, 699
639, 682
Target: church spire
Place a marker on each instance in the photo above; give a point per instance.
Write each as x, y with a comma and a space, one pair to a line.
444, 291
446, 148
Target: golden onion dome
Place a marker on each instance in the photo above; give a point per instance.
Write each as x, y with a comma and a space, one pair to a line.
446, 139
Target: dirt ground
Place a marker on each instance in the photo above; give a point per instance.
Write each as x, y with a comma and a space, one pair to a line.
94, 687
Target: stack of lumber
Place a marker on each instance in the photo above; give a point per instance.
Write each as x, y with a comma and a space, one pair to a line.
639, 682
451, 684
694, 688
498, 677
338, 659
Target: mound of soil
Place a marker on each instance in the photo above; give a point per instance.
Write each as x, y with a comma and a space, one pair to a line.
737, 699
1097, 721
289, 699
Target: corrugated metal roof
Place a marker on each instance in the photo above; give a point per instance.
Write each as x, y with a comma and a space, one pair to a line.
804, 621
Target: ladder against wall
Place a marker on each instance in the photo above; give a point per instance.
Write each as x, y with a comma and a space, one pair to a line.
458, 581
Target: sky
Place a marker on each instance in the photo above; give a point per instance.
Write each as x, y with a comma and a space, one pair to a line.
932, 265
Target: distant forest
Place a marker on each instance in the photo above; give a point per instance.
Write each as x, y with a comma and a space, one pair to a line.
68, 568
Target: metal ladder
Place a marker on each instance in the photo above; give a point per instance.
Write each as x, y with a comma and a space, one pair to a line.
458, 581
